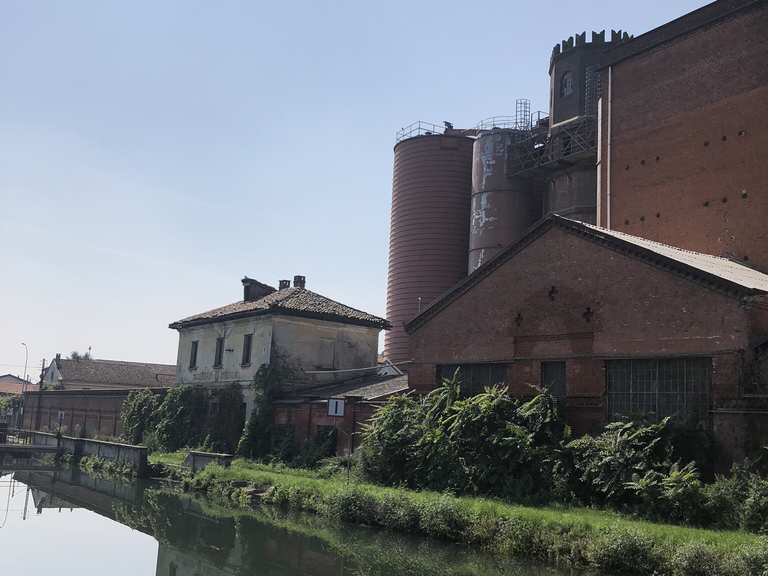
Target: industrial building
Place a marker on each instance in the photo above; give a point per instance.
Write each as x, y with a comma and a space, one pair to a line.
613, 248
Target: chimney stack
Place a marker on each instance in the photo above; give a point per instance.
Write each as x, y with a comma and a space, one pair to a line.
299, 281
285, 284
254, 290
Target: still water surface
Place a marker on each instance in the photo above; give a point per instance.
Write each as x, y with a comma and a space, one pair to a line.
66, 522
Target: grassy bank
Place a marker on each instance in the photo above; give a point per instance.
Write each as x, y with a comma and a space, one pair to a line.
574, 537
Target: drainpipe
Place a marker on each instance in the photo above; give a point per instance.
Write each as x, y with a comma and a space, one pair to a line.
608, 167
599, 163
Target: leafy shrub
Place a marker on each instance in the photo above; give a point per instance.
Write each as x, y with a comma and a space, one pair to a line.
258, 438
388, 449
225, 426
397, 512
600, 469
698, 559
181, 417
755, 506
625, 552
443, 518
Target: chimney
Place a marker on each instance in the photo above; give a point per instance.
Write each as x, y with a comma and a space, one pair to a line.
285, 284
299, 281
254, 290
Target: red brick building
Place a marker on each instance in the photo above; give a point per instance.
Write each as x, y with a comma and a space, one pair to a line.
684, 133
614, 324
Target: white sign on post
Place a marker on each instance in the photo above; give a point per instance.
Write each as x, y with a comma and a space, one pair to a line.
335, 407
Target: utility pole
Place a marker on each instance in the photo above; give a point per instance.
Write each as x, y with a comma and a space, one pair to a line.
26, 360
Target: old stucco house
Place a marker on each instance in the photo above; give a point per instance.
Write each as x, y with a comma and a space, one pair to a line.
322, 339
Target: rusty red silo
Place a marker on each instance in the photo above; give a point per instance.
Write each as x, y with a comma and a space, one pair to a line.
429, 227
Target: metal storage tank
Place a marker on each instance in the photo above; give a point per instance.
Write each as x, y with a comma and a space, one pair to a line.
503, 207
429, 228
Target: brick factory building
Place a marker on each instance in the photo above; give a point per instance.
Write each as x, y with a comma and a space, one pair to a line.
613, 324
684, 112
616, 244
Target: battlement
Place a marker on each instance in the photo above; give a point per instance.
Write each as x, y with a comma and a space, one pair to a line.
580, 40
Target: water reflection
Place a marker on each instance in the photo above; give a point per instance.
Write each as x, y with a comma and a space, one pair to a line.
198, 537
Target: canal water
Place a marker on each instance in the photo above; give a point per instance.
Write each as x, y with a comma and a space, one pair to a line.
66, 522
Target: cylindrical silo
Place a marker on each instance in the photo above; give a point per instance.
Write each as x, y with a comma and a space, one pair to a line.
503, 207
429, 228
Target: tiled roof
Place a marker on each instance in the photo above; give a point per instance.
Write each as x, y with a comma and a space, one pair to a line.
115, 373
290, 301
370, 387
10, 384
712, 271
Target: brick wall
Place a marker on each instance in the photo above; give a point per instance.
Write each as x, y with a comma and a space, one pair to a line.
567, 298
305, 416
689, 131
86, 412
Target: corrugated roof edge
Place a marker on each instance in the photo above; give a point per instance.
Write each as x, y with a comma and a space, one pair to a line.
600, 236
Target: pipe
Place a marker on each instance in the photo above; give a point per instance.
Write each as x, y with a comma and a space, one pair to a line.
599, 164
608, 167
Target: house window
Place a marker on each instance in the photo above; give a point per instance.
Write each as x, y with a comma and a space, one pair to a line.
473, 378
193, 356
219, 356
247, 345
677, 387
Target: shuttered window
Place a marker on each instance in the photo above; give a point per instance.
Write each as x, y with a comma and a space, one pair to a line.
192, 356
218, 358
247, 345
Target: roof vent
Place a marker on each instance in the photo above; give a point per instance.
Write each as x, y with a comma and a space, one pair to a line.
254, 290
284, 284
299, 281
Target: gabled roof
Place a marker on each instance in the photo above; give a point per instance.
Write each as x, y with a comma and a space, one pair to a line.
10, 384
711, 271
288, 301
116, 373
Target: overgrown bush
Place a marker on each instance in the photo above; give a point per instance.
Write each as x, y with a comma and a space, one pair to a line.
258, 438
181, 417
388, 449
137, 414
599, 469
626, 552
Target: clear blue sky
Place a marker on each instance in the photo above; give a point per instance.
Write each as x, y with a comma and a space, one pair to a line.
153, 153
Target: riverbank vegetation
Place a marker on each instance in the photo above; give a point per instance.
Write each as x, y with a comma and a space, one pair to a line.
575, 537
493, 445
507, 475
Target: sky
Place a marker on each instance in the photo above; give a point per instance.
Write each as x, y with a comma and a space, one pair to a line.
154, 153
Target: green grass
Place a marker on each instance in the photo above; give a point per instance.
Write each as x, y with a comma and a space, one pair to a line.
168, 458
263, 475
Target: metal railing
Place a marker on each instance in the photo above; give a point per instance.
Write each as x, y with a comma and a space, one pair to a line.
419, 128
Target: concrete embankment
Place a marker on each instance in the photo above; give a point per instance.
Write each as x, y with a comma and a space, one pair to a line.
126, 454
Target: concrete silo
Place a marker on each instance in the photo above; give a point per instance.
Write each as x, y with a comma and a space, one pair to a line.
503, 206
429, 230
